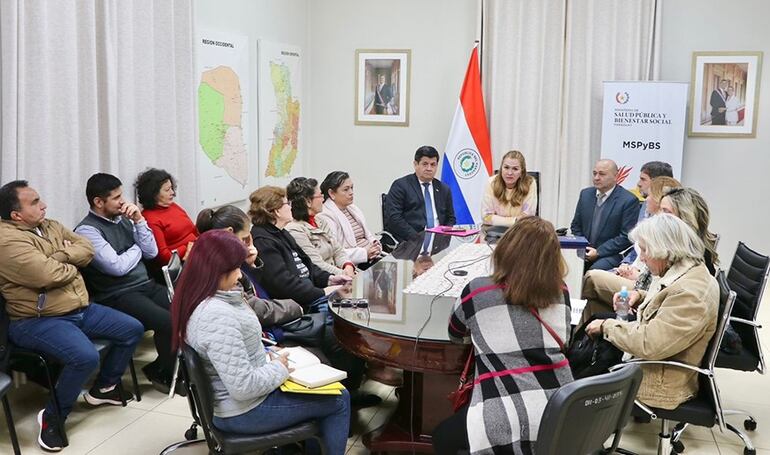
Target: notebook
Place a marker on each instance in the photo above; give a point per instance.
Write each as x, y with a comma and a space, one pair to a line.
308, 369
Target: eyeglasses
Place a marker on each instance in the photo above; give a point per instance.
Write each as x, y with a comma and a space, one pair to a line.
286, 203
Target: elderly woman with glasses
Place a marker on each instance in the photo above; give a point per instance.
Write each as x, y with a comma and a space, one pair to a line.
311, 233
677, 315
292, 274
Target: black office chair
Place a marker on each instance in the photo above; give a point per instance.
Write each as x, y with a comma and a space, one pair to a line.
388, 241
44, 369
219, 442
536, 176
747, 277
705, 409
602, 402
5, 380
5, 384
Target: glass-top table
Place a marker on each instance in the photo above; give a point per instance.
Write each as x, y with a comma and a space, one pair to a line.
422, 265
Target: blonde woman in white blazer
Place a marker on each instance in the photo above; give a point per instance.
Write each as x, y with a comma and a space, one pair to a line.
345, 221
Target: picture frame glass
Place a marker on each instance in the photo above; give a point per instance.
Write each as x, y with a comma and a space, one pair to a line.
724, 94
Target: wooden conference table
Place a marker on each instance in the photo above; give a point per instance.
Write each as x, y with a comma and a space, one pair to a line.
387, 332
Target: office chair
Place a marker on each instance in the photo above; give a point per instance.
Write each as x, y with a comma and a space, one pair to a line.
171, 272
706, 408
5, 380
580, 416
201, 397
536, 176
747, 277
5, 384
388, 241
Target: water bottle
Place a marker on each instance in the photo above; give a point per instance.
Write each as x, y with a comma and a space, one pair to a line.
622, 306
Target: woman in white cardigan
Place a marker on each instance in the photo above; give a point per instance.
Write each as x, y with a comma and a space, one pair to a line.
346, 221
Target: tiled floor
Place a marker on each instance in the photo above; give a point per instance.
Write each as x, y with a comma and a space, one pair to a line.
149, 426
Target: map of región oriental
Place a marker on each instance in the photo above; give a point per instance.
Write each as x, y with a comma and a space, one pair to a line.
220, 106
283, 151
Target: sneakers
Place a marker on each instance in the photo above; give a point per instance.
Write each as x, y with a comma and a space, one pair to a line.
50, 437
97, 396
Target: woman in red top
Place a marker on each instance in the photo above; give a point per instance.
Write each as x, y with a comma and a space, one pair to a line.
172, 227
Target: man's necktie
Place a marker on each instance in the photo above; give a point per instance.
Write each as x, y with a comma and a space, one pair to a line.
428, 207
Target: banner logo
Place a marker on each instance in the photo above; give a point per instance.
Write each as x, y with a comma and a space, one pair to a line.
467, 163
621, 97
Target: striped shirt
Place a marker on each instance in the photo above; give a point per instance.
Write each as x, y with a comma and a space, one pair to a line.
358, 230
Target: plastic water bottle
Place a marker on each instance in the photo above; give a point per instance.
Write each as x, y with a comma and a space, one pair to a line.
622, 306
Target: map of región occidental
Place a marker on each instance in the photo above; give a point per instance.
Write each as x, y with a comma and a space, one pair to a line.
220, 107
283, 151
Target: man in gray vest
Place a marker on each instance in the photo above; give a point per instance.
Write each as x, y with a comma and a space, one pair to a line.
117, 277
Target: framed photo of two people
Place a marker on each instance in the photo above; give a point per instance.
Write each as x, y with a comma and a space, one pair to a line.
724, 94
382, 86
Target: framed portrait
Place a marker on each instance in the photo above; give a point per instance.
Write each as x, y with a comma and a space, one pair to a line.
724, 94
382, 87
383, 290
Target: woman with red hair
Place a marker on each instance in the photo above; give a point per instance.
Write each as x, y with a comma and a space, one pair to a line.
211, 316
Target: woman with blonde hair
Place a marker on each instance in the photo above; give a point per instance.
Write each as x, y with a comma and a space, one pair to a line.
510, 193
517, 320
658, 188
688, 205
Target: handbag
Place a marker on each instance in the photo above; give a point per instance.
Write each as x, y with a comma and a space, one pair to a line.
462, 395
308, 330
592, 356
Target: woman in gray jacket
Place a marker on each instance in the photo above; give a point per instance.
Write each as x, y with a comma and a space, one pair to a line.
212, 318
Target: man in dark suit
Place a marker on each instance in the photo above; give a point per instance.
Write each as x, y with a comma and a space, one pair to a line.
717, 101
418, 201
382, 96
605, 213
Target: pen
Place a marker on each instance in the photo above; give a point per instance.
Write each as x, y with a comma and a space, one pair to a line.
274, 351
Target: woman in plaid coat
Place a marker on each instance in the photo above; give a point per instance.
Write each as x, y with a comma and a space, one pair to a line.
517, 320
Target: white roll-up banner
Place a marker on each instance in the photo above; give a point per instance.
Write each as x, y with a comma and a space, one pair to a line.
642, 122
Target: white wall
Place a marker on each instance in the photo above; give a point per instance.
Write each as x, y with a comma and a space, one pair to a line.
440, 34
731, 174
282, 21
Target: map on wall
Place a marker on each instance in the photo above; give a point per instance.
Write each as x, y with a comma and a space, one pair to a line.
280, 107
222, 87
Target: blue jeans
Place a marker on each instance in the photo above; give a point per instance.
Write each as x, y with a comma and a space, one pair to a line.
281, 410
67, 339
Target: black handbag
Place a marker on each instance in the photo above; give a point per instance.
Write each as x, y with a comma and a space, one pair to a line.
308, 330
592, 356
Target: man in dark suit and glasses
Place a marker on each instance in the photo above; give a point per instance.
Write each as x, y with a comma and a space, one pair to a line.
605, 213
418, 201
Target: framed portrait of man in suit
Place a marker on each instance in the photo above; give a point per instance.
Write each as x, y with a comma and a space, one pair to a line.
724, 94
382, 87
